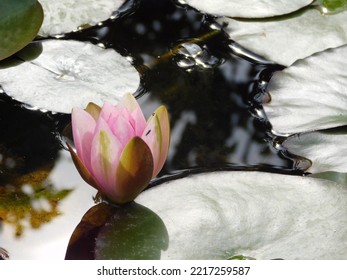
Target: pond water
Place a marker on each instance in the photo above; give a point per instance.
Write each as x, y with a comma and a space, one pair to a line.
186, 62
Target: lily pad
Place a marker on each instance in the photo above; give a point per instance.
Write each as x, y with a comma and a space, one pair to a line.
325, 149
67, 15
311, 94
222, 214
128, 232
248, 8
287, 39
66, 74
19, 23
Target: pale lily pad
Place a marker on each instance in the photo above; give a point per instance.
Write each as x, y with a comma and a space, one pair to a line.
325, 149
19, 23
248, 8
222, 214
311, 94
68, 74
287, 39
256, 214
67, 15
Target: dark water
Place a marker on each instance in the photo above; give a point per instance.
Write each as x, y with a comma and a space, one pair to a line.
185, 63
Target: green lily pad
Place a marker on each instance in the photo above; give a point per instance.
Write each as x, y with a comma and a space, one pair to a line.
19, 23
129, 232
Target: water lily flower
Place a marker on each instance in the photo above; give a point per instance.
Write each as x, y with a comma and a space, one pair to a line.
117, 151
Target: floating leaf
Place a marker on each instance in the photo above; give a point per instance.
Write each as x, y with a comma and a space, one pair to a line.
67, 74
248, 8
82, 241
311, 94
67, 195
222, 214
129, 232
67, 15
325, 149
19, 23
287, 39
263, 215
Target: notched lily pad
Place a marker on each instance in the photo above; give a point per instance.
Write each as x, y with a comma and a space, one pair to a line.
19, 23
129, 232
57, 75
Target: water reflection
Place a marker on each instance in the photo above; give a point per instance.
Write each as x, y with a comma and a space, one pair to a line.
30, 201
191, 56
35, 185
28, 148
51, 240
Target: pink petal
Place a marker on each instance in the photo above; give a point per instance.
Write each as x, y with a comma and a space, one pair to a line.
129, 102
157, 137
108, 112
137, 120
83, 126
105, 153
122, 129
120, 122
